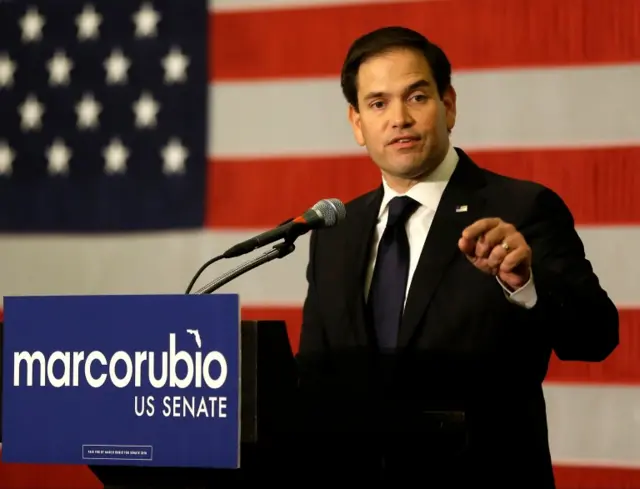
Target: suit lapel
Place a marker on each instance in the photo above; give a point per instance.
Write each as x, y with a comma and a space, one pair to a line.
441, 246
361, 224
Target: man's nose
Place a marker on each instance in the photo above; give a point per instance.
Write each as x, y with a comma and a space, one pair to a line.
401, 117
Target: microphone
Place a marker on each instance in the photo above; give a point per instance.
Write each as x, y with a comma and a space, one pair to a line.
326, 213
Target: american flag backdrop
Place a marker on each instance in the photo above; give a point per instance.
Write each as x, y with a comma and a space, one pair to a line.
139, 138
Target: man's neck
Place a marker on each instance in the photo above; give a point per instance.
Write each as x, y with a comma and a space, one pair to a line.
399, 184
402, 184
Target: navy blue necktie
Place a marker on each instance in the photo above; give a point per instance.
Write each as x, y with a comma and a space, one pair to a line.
389, 281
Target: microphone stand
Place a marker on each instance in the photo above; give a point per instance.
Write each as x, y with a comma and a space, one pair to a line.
221, 257
278, 251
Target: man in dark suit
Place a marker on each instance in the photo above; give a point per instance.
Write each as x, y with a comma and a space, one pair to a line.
432, 311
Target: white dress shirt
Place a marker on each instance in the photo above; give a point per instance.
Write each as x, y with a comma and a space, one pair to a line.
428, 193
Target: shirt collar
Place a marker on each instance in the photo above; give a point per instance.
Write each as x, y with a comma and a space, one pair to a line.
428, 191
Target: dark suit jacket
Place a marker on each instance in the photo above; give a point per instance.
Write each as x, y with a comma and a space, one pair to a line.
463, 392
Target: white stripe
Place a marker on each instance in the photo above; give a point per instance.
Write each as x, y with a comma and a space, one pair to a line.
164, 263
242, 5
496, 109
616, 266
594, 425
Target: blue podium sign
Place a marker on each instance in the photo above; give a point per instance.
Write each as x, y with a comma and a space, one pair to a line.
149, 380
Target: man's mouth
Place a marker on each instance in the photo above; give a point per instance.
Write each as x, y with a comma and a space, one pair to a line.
405, 140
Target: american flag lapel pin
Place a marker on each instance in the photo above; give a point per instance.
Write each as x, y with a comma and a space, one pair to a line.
461, 208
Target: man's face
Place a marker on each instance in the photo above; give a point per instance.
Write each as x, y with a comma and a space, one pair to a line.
398, 98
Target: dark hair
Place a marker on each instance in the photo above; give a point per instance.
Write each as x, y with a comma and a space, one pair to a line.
386, 39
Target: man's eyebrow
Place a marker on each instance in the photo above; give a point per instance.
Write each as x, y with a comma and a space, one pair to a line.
371, 95
415, 85
419, 84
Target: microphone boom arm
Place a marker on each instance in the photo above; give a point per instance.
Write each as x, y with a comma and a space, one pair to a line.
278, 251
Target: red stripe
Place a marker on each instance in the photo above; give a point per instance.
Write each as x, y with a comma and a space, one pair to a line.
568, 477
291, 315
475, 34
622, 367
30, 476
599, 185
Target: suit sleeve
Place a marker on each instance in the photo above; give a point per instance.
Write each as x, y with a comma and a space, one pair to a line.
311, 356
582, 320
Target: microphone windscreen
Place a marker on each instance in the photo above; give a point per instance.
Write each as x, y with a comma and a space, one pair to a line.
331, 210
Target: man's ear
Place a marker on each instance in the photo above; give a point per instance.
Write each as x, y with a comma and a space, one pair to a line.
355, 121
449, 101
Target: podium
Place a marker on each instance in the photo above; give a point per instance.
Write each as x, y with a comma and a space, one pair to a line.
147, 391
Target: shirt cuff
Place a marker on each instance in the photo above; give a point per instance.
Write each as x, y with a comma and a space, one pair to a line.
526, 296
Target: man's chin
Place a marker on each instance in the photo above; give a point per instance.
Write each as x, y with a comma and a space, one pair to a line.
413, 170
